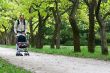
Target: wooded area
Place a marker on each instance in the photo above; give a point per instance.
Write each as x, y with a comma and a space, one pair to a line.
59, 22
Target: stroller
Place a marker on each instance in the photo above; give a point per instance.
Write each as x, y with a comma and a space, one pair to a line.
22, 45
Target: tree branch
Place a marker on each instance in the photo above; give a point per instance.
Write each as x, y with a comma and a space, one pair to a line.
4, 27
66, 10
46, 18
34, 22
108, 13
87, 3
74, 7
97, 13
36, 5
36, 27
17, 2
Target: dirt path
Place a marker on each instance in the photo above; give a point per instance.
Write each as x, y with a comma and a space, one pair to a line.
43, 63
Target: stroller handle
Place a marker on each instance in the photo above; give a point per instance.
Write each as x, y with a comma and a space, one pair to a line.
18, 34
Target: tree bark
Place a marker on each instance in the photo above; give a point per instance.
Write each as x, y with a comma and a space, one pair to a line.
40, 36
53, 42
75, 29
31, 39
102, 25
12, 38
58, 31
31, 32
103, 40
5, 33
40, 33
76, 37
91, 34
56, 35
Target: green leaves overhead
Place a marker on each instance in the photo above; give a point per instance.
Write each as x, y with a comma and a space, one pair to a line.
10, 9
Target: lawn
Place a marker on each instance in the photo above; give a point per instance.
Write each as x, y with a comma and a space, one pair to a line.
68, 51
6, 67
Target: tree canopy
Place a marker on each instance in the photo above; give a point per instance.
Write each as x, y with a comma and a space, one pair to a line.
58, 22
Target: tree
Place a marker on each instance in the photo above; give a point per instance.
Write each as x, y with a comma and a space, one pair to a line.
40, 33
43, 14
7, 19
91, 34
102, 25
57, 18
73, 22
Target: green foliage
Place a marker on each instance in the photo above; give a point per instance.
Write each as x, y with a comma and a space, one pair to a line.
68, 43
11, 9
82, 17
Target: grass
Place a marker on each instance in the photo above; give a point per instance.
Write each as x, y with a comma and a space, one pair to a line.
68, 51
6, 67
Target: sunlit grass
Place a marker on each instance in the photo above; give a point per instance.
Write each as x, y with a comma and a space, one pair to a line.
68, 51
5, 67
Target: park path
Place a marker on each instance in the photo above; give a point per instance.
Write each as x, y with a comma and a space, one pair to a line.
44, 63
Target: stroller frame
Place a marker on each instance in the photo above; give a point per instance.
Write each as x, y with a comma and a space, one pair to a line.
21, 45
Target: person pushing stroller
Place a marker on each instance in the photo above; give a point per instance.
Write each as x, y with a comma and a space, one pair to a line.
20, 29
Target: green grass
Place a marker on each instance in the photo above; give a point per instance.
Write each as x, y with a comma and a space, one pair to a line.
68, 51
5, 67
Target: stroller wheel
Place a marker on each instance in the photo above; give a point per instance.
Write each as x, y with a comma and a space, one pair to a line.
26, 54
19, 54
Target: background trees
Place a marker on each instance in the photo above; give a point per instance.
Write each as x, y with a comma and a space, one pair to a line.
58, 22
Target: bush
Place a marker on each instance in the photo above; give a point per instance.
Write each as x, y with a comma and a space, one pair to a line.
83, 41
68, 43
97, 39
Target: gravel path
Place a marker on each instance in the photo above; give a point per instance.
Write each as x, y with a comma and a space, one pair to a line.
44, 63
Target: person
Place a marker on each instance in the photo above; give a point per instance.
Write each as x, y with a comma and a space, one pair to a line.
20, 27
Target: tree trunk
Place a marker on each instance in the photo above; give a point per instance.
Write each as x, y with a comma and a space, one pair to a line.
40, 33
40, 36
53, 42
76, 37
5, 33
31, 39
91, 34
58, 31
56, 35
12, 34
31, 33
102, 25
103, 40
75, 30
103, 35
